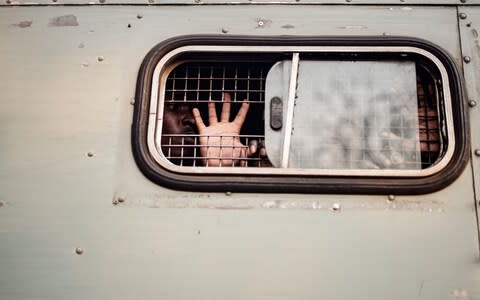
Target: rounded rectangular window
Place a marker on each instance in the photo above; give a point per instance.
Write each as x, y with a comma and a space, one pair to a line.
316, 111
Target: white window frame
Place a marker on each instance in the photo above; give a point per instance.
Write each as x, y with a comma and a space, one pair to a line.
167, 63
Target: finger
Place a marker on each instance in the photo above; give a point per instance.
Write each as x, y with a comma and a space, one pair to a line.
243, 156
225, 117
242, 114
263, 152
252, 147
212, 114
198, 120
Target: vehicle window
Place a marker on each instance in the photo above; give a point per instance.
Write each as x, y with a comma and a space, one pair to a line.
283, 114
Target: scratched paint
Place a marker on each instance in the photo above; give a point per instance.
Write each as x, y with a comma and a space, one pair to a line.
62, 21
22, 24
237, 202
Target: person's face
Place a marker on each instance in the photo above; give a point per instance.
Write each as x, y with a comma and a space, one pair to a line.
179, 122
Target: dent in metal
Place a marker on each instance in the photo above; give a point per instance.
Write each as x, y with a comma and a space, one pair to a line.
62, 21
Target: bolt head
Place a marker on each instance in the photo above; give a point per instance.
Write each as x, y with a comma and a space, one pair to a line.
228, 193
90, 154
79, 251
336, 207
472, 103
261, 23
139, 16
100, 58
391, 197
224, 30
467, 59
477, 152
463, 16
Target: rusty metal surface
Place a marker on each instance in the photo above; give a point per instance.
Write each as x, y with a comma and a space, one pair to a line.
78, 220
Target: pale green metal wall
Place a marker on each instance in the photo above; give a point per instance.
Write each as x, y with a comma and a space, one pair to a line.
59, 104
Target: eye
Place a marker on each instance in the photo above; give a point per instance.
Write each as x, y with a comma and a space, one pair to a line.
171, 106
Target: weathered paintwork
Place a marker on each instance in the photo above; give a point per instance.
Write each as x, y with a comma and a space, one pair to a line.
240, 2
68, 179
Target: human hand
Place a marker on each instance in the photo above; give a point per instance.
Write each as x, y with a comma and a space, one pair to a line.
220, 143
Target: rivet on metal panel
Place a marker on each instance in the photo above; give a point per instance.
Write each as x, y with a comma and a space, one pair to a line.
336, 207
132, 101
79, 251
224, 30
139, 16
462, 16
129, 26
115, 201
90, 154
467, 59
100, 58
472, 103
477, 152
197, 1
348, 1
463, 1
228, 193
151, 1
261, 23
121, 199
102, 1
391, 197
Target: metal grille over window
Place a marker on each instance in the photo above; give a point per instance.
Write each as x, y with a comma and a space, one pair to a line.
304, 113
218, 84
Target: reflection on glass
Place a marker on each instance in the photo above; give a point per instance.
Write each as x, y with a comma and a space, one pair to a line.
350, 115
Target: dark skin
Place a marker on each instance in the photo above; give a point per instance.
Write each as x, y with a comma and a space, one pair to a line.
178, 119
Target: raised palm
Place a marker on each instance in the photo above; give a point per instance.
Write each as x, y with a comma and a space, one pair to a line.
220, 143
